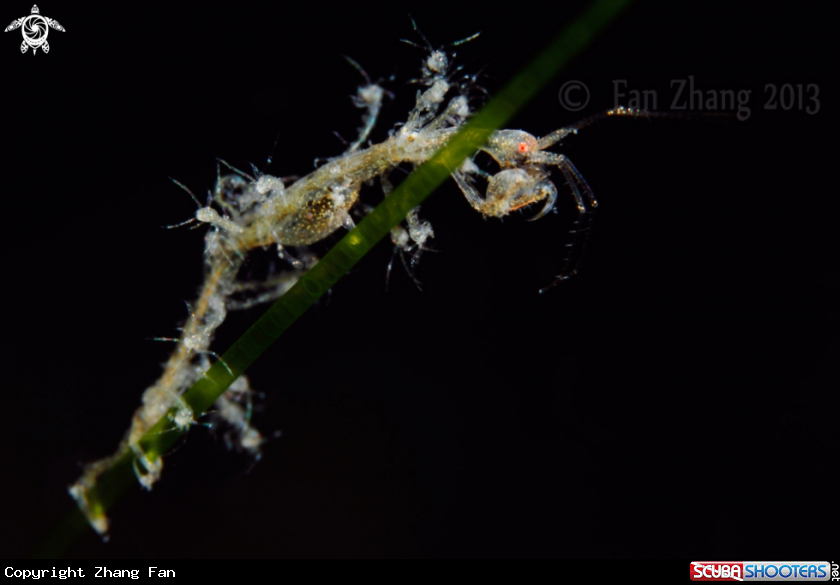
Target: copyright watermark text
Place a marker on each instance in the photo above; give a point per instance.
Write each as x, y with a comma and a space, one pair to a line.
690, 96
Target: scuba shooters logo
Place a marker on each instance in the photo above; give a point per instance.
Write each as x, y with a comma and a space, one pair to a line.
764, 571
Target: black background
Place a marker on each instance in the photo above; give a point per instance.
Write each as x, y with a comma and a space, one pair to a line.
677, 398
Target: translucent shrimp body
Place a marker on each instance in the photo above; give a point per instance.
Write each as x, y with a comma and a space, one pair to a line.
248, 211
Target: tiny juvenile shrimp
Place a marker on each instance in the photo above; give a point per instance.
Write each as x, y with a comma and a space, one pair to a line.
524, 179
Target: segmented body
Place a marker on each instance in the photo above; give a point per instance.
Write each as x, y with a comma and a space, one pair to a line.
247, 212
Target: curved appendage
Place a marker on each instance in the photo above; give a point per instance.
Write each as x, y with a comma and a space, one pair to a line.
15, 25
54, 24
524, 179
587, 205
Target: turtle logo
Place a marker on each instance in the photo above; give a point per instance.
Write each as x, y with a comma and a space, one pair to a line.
35, 28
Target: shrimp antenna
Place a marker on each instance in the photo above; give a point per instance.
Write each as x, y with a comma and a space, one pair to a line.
184, 187
422, 36
358, 68
235, 170
465, 40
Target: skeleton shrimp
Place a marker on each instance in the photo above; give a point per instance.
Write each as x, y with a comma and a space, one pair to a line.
248, 211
